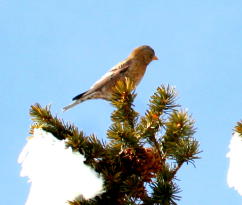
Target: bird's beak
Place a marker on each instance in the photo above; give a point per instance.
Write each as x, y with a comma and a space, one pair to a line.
155, 58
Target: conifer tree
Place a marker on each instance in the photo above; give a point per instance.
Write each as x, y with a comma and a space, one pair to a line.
140, 159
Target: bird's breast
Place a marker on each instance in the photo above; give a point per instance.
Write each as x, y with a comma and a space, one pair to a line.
136, 72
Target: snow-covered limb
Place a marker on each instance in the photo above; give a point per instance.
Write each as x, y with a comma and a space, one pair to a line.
56, 173
234, 176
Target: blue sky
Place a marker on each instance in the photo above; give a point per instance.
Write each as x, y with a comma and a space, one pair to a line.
53, 50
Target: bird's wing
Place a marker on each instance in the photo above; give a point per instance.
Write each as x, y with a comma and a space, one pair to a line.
112, 73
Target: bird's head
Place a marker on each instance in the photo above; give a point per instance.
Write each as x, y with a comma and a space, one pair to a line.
144, 53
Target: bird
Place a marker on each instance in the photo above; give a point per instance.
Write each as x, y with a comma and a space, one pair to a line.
133, 67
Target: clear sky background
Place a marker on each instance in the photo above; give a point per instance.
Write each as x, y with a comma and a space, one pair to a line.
52, 50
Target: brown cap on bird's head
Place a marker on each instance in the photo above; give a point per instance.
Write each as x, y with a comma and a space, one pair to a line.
144, 53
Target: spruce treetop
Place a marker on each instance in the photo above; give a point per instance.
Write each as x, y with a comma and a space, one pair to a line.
140, 159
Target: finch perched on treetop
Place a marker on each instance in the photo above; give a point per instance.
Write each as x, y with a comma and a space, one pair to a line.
132, 67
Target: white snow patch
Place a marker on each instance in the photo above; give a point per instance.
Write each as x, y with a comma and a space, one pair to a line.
234, 176
56, 173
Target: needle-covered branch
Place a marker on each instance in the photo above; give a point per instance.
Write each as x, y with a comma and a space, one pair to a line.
44, 119
124, 117
122, 100
238, 127
163, 100
161, 103
89, 146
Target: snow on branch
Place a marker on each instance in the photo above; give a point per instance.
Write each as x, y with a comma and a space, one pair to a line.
56, 173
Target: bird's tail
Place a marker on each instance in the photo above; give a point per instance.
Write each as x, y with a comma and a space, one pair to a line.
78, 99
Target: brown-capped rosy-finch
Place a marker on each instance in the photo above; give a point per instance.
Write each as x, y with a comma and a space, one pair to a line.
132, 67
